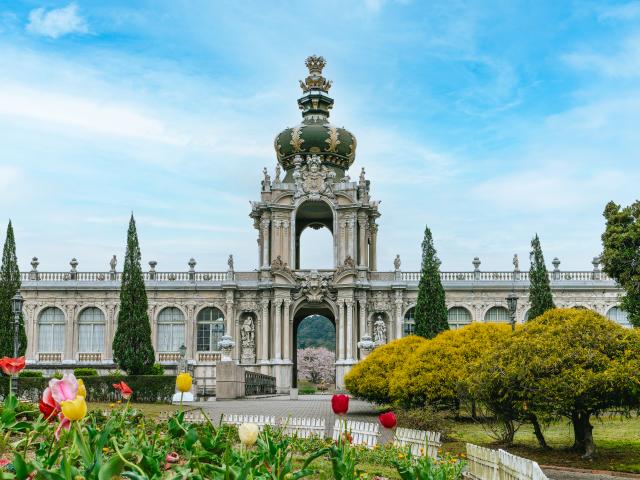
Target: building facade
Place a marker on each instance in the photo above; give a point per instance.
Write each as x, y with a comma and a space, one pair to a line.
71, 316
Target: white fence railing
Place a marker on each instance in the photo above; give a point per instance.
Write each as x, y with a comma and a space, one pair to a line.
303, 427
361, 433
487, 464
421, 442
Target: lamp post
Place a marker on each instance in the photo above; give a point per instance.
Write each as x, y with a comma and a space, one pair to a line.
16, 306
183, 356
512, 303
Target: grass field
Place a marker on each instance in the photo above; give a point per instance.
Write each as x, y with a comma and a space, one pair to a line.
617, 443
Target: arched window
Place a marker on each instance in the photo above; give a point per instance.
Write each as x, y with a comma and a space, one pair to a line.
170, 329
91, 330
458, 317
527, 314
210, 329
619, 316
51, 331
497, 315
409, 324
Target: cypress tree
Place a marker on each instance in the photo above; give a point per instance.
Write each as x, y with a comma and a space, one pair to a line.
132, 348
431, 310
540, 289
9, 286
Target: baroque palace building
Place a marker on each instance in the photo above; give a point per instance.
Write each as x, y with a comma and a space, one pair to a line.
71, 316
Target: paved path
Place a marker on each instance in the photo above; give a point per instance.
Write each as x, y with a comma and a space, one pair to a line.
566, 474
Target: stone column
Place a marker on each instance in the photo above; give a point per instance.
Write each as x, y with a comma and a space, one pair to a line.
287, 330
265, 241
363, 257
190, 331
341, 320
285, 242
398, 303
342, 248
264, 354
70, 340
277, 344
349, 305
362, 328
230, 321
275, 238
373, 261
110, 332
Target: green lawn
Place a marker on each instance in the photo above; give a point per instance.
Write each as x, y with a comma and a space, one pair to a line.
617, 443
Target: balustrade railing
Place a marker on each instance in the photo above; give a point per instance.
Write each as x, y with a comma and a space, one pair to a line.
218, 277
259, 384
89, 357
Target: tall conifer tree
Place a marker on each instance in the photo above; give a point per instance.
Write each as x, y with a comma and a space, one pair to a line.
431, 310
132, 348
9, 286
540, 289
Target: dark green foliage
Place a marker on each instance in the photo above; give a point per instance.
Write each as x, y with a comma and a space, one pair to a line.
431, 310
132, 348
9, 285
146, 388
540, 288
156, 369
621, 254
30, 374
317, 331
85, 372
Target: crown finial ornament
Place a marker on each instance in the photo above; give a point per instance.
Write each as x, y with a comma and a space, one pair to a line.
315, 80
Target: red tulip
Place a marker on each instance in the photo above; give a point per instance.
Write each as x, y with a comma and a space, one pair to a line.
172, 457
388, 420
124, 389
340, 404
11, 366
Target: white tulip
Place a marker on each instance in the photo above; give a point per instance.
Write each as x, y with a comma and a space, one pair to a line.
248, 433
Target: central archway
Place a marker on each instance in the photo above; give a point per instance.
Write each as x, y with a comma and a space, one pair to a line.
315, 215
306, 313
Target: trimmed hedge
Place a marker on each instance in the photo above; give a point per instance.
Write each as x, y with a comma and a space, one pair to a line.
146, 388
85, 372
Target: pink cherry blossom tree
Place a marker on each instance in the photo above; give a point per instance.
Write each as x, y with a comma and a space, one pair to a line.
316, 365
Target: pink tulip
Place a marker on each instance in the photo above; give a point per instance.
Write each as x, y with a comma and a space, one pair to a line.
64, 389
64, 423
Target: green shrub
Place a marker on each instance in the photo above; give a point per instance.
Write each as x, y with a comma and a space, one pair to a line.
156, 369
57, 375
85, 372
370, 378
30, 373
307, 390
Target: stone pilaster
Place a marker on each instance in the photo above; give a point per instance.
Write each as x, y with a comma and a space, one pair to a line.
277, 341
287, 331
399, 319
264, 354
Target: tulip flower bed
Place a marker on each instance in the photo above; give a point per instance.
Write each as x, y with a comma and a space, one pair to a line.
66, 442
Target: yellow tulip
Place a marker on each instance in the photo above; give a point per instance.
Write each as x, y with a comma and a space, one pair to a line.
248, 433
82, 390
183, 382
74, 409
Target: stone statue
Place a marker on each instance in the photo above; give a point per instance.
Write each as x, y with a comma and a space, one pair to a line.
396, 262
113, 263
230, 263
266, 183
516, 263
379, 331
277, 179
247, 340
362, 179
349, 263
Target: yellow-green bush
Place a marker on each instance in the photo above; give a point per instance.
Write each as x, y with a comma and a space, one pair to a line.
436, 372
370, 378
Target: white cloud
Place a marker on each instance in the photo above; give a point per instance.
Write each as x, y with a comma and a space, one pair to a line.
56, 23
10, 178
626, 11
624, 62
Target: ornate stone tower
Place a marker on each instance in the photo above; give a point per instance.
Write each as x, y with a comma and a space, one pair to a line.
314, 191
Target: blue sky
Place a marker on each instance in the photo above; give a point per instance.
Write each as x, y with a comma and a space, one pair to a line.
488, 121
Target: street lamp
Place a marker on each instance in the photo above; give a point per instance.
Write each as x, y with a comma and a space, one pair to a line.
16, 307
183, 355
512, 303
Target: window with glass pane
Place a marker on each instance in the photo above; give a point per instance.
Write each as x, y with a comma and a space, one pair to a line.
210, 329
170, 330
51, 331
620, 316
458, 317
91, 330
409, 324
497, 314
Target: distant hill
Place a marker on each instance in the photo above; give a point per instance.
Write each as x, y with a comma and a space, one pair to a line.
317, 331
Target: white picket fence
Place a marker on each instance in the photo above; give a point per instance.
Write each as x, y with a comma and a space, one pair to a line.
421, 442
487, 464
260, 420
362, 433
303, 427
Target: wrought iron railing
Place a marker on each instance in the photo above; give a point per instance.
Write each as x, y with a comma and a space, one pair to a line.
258, 384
